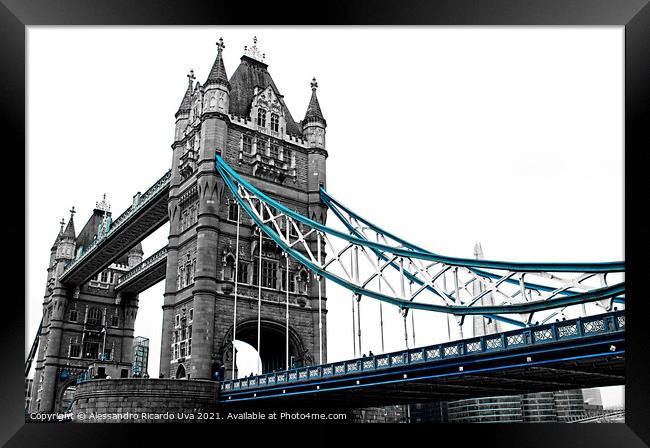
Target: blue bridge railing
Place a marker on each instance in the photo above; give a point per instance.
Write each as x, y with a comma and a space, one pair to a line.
543, 334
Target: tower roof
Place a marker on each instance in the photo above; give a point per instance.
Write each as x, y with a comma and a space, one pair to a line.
69, 231
218, 73
313, 110
186, 104
251, 73
478, 251
58, 236
137, 248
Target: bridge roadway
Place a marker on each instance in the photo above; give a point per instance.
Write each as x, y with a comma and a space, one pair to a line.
142, 218
580, 353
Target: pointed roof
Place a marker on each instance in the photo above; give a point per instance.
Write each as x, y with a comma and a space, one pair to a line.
313, 110
478, 251
58, 236
69, 231
252, 73
218, 73
186, 104
137, 248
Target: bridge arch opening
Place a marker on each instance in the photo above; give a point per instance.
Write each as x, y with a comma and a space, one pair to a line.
66, 395
272, 356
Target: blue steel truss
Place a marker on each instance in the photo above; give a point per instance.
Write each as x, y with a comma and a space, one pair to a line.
512, 292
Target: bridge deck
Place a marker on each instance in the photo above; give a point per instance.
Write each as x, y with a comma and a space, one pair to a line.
581, 353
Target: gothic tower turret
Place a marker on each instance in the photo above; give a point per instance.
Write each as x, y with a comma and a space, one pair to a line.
183, 113
134, 256
217, 87
314, 123
67, 242
51, 267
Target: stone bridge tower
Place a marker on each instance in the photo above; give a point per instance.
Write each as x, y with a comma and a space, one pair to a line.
83, 323
246, 120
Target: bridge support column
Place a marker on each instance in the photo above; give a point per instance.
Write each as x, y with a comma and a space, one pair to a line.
169, 301
130, 313
59, 302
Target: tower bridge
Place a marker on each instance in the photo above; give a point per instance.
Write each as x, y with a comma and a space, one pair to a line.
248, 259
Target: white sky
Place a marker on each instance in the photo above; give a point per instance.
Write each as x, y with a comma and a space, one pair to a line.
444, 135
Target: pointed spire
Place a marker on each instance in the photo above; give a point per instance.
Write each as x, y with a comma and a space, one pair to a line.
313, 110
218, 73
186, 104
69, 230
478, 251
58, 236
137, 249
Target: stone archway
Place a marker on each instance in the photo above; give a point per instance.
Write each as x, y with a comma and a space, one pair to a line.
180, 371
65, 395
273, 344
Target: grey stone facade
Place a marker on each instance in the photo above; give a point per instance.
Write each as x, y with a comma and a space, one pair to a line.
84, 323
245, 120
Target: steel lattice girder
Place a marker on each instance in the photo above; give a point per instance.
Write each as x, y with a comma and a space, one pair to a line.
505, 280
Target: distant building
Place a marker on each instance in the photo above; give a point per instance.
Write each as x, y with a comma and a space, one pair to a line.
499, 409
593, 400
140, 356
568, 404
558, 406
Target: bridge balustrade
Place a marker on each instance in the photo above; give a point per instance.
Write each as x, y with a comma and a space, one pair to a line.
542, 334
142, 266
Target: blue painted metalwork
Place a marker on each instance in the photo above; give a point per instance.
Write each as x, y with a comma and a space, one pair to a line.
499, 344
235, 182
230, 176
334, 205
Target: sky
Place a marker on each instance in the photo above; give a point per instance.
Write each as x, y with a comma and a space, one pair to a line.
511, 136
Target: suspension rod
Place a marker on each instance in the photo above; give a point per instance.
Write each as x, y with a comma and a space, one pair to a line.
381, 311
259, 299
234, 315
287, 300
320, 310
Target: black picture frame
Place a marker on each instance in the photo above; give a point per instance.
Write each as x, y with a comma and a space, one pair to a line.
15, 15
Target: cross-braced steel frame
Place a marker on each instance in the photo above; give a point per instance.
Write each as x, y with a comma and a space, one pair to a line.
371, 262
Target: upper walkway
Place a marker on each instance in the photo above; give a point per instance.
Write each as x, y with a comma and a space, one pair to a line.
145, 275
143, 217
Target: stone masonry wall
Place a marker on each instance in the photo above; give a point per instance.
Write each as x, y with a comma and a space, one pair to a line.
135, 396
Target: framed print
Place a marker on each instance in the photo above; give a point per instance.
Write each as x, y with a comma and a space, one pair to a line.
381, 215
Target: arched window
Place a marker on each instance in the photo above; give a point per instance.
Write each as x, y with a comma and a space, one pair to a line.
229, 270
73, 314
303, 278
95, 316
275, 122
242, 272
180, 372
261, 117
261, 146
274, 150
232, 210
247, 144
